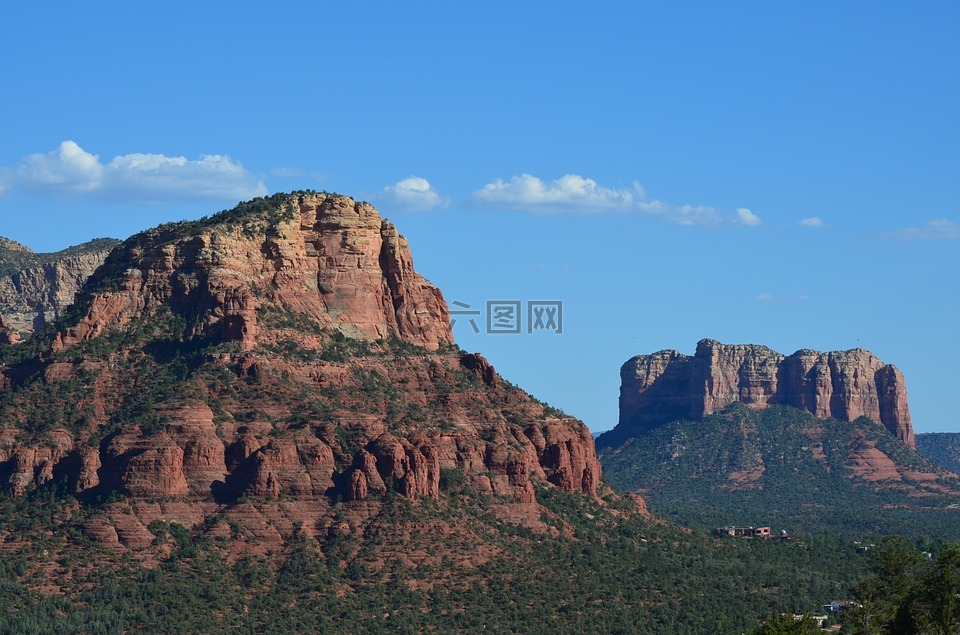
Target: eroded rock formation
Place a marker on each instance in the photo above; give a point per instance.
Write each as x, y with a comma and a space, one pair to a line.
36, 288
324, 261
845, 385
8, 335
272, 364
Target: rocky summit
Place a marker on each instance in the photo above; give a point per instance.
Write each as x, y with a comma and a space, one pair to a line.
844, 385
276, 367
36, 288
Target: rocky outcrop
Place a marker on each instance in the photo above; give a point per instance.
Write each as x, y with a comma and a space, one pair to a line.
36, 288
328, 260
311, 368
7, 333
845, 385
188, 456
478, 364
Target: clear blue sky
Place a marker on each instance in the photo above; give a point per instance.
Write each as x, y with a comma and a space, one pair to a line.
774, 173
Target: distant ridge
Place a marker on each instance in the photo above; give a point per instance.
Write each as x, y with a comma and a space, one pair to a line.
782, 466
845, 385
35, 288
15, 257
942, 447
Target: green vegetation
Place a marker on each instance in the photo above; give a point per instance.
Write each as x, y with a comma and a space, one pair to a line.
907, 591
780, 467
257, 217
154, 371
941, 447
788, 624
604, 571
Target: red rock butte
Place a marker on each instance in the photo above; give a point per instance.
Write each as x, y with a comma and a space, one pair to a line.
845, 385
328, 258
269, 423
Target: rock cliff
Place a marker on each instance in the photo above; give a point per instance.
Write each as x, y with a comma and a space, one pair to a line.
7, 333
328, 261
36, 288
274, 364
844, 385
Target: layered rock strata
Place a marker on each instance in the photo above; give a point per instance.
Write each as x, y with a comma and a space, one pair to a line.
328, 260
844, 385
39, 287
277, 361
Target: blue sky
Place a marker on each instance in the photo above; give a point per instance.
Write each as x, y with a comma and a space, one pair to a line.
764, 173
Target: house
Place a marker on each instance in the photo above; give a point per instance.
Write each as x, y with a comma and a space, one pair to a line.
838, 606
743, 532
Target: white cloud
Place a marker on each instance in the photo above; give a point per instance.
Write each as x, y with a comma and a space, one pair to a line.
747, 218
70, 171
413, 194
66, 171
813, 222
940, 229
569, 192
573, 193
156, 178
686, 215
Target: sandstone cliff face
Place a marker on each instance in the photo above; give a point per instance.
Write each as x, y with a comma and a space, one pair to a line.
286, 357
38, 287
328, 260
210, 462
844, 385
8, 335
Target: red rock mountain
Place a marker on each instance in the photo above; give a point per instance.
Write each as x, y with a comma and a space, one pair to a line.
329, 260
844, 385
36, 288
272, 366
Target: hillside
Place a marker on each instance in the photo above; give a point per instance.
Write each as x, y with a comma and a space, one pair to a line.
259, 421
942, 448
446, 564
263, 366
35, 288
785, 468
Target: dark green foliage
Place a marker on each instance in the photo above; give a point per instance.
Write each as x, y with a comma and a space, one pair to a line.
793, 475
401, 348
907, 591
91, 246
257, 217
39, 407
336, 347
603, 573
452, 479
942, 447
548, 410
28, 349
292, 350
788, 624
274, 317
